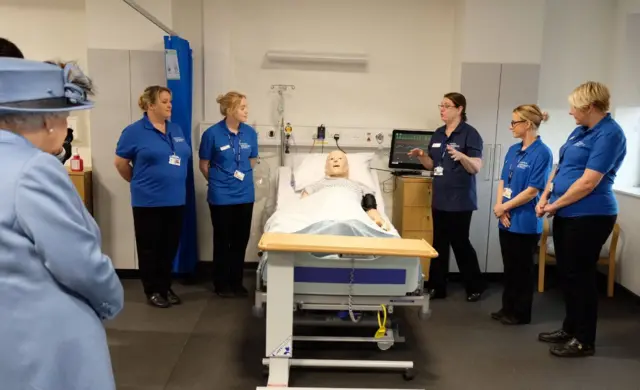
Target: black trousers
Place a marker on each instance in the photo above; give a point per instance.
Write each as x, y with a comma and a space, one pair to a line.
578, 242
518, 252
452, 229
231, 230
157, 232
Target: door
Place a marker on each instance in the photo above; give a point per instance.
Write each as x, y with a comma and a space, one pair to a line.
518, 85
480, 84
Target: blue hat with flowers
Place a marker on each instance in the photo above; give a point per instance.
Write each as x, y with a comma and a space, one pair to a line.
38, 87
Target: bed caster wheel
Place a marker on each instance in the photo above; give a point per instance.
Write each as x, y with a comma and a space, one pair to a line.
409, 374
384, 345
424, 315
258, 311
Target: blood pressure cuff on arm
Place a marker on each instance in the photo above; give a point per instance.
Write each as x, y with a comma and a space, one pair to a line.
369, 202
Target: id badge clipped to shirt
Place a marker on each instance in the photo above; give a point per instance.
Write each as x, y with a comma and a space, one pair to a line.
238, 175
174, 160
507, 193
438, 171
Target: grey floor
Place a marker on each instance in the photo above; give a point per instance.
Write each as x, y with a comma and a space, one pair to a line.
211, 343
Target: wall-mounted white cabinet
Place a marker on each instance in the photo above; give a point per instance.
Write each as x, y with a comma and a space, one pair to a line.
492, 92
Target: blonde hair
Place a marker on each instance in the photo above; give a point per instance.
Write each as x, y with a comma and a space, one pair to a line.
532, 114
150, 96
591, 93
229, 101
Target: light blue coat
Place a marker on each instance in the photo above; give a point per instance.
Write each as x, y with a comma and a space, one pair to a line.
56, 285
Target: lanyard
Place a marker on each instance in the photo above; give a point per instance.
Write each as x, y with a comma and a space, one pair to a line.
443, 148
236, 154
517, 161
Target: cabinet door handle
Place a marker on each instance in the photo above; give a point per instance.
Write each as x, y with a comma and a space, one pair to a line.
489, 166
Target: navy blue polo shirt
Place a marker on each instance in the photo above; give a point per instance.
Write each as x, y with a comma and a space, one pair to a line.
455, 189
226, 153
155, 182
523, 169
602, 149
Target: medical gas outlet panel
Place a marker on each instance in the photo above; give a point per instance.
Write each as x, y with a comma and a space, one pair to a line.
307, 136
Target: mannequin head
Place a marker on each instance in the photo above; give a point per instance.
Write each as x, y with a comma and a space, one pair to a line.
337, 165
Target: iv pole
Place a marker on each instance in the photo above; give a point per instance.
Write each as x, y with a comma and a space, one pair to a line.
284, 135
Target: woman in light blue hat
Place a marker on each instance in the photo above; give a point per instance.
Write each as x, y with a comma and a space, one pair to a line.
56, 285
9, 49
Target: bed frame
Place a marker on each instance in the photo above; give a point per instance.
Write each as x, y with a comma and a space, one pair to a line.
282, 301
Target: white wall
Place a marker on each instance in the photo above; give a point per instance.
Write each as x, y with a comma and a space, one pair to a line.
603, 52
115, 25
571, 55
502, 31
626, 89
409, 43
415, 48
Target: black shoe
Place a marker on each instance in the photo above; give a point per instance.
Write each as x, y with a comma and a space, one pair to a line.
437, 294
573, 348
474, 297
555, 337
240, 291
498, 315
511, 320
157, 300
173, 298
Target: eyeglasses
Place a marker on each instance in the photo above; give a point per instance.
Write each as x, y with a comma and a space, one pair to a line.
441, 106
513, 123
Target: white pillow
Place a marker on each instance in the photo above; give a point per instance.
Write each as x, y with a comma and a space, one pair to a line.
311, 169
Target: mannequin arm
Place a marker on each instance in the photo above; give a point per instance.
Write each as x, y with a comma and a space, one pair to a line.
370, 206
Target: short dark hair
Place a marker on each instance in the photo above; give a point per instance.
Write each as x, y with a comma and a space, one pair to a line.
458, 100
9, 49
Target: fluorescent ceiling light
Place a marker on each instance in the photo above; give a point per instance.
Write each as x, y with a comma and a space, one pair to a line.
308, 57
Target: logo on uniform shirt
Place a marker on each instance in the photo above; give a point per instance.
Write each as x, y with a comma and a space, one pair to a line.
523, 165
178, 139
244, 145
580, 144
454, 145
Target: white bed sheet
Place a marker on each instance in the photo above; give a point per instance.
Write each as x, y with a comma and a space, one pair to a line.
291, 216
286, 194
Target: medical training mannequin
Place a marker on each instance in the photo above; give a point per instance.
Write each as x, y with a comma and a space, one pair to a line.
337, 174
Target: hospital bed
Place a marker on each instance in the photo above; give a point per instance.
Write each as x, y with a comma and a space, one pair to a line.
329, 274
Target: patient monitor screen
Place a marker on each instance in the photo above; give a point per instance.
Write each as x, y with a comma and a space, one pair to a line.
401, 144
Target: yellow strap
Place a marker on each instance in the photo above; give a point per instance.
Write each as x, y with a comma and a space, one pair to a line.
382, 325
